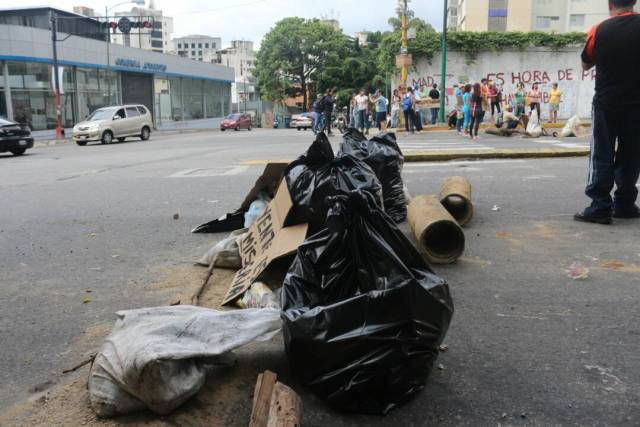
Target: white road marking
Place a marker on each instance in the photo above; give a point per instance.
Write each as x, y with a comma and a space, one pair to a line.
462, 162
237, 170
537, 177
571, 145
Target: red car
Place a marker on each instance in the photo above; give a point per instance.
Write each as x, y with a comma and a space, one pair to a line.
236, 122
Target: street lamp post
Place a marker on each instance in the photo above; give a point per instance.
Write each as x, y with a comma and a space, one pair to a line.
56, 77
108, 40
443, 47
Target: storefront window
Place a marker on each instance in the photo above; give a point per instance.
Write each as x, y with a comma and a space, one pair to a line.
93, 90
175, 88
162, 99
32, 94
192, 95
212, 95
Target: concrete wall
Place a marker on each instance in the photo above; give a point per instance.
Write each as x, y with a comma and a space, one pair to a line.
510, 67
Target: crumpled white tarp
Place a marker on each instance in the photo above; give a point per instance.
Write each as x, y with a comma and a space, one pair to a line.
571, 128
157, 358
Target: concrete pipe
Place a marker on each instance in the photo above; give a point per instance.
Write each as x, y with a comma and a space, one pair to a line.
455, 196
438, 234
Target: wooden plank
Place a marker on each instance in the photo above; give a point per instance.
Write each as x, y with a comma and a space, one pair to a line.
286, 407
262, 399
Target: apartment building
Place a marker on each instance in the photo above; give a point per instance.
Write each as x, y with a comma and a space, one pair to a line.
557, 16
158, 39
198, 47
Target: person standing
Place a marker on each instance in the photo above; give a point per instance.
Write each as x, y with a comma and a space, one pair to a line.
484, 90
519, 99
381, 109
395, 109
434, 94
535, 97
477, 111
459, 107
493, 97
411, 119
318, 109
555, 96
417, 107
616, 108
328, 103
362, 110
466, 109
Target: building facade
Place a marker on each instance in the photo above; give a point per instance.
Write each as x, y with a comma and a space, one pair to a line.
157, 39
242, 58
198, 47
84, 11
557, 16
173, 88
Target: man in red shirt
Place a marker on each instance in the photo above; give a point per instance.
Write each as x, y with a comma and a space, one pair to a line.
612, 47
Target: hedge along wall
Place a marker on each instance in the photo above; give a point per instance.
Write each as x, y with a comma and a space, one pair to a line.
508, 67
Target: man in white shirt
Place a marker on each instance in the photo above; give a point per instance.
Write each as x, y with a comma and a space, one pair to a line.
362, 110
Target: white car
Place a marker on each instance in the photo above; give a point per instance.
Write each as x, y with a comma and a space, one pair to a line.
302, 121
118, 122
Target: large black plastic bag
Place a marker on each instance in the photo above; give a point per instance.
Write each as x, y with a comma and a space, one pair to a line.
384, 156
363, 313
317, 175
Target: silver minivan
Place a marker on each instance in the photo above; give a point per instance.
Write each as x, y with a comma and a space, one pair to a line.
118, 122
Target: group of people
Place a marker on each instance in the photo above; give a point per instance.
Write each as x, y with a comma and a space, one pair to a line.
473, 102
322, 112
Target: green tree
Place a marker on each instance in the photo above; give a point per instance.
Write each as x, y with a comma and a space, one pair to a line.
295, 53
412, 22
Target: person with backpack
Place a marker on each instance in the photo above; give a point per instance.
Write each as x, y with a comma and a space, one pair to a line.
411, 119
317, 114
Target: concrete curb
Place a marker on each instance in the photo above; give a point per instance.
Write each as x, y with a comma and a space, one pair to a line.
506, 153
444, 128
444, 155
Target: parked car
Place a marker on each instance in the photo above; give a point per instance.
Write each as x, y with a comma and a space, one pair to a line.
302, 121
117, 122
14, 137
236, 122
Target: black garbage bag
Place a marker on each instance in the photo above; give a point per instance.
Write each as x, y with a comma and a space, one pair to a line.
363, 314
318, 174
384, 156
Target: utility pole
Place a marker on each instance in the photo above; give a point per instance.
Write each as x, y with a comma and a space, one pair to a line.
56, 77
404, 49
443, 48
108, 40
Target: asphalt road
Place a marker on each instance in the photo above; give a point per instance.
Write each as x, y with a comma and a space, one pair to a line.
528, 345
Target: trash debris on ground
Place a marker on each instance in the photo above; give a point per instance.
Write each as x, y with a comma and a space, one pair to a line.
259, 295
274, 404
571, 127
157, 358
455, 196
256, 208
267, 241
578, 271
318, 174
176, 216
363, 313
267, 183
437, 232
384, 156
495, 208
534, 129
226, 252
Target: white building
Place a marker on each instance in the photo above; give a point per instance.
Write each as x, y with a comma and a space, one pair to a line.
198, 47
84, 11
559, 16
242, 58
156, 39
363, 37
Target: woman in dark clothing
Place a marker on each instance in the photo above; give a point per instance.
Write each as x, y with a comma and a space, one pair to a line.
477, 113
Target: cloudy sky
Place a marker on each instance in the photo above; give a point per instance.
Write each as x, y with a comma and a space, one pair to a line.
251, 19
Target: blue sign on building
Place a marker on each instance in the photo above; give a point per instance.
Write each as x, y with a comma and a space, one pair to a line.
146, 66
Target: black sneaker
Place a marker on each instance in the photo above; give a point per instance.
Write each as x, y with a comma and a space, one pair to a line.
580, 216
633, 212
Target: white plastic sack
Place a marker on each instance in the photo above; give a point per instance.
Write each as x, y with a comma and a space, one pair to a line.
534, 129
226, 252
157, 358
256, 208
571, 128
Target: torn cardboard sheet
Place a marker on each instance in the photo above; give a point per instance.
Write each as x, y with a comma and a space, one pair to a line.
267, 240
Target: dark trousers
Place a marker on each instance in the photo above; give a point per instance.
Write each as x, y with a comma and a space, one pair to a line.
411, 119
327, 122
476, 119
608, 165
434, 115
495, 106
